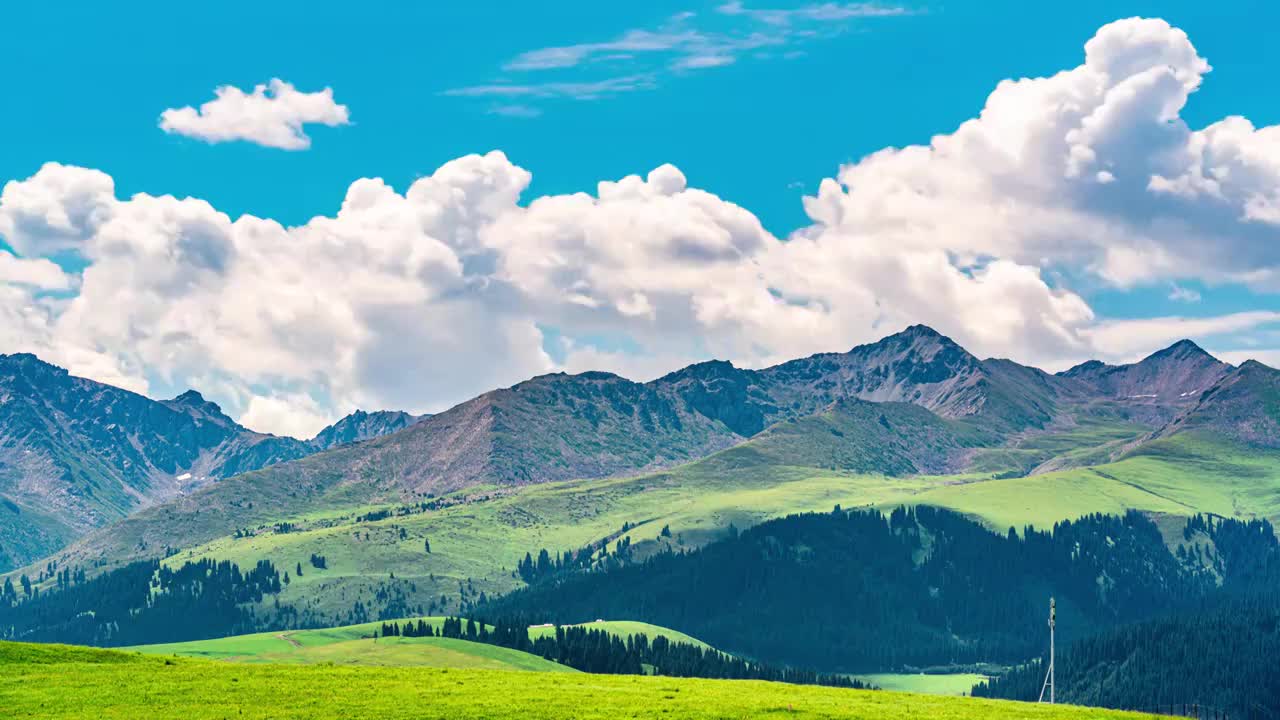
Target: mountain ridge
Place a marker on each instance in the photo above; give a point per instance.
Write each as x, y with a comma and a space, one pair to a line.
597, 424
76, 454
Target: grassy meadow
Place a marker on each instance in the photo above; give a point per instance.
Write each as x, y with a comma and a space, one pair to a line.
63, 683
305, 648
476, 545
930, 683
356, 645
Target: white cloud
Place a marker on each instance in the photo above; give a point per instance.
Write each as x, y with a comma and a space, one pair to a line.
293, 414
1091, 167
682, 44
1133, 338
632, 41
55, 210
515, 111
1266, 356
822, 12
575, 90
423, 298
37, 273
1184, 294
273, 115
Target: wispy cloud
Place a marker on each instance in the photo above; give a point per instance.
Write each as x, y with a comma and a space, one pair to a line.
574, 90
626, 46
1184, 294
686, 42
515, 111
824, 12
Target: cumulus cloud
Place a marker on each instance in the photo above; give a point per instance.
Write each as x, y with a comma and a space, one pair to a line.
273, 115
422, 297
57, 209
1091, 167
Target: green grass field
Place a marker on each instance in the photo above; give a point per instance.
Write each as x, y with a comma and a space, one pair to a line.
62, 683
355, 645
346, 646
933, 684
1176, 476
623, 628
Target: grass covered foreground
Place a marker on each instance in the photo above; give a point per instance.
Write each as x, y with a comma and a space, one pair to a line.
59, 682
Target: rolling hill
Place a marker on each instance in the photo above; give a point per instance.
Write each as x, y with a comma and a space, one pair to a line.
70, 683
356, 645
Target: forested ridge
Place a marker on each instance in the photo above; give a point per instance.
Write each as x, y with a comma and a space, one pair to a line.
599, 651
861, 591
143, 602
1216, 658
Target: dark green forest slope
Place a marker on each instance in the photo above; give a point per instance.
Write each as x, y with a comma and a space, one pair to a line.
859, 591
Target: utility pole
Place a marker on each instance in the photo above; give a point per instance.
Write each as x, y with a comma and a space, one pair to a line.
1048, 678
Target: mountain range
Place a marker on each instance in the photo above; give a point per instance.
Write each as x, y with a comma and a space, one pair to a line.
76, 455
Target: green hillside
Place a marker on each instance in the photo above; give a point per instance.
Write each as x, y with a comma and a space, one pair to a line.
477, 539
1180, 475
65, 683
623, 628
932, 683
355, 645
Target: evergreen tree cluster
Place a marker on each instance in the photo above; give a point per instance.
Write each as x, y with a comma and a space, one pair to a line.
599, 651
143, 602
594, 556
858, 591
1213, 662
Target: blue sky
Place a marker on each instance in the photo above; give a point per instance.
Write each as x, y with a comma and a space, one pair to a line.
759, 132
784, 106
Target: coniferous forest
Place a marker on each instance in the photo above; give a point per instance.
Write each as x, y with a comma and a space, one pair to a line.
143, 602
860, 591
598, 651
1211, 662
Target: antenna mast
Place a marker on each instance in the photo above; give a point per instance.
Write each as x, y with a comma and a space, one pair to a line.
1048, 678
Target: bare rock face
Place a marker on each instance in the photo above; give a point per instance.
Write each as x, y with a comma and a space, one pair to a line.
921, 367
360, 426
76, 454
1243, 406
1176, 375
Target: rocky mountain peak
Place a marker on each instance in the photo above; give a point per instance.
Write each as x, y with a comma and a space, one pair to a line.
1085, 369
1181, 351
361, 425
194, 404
